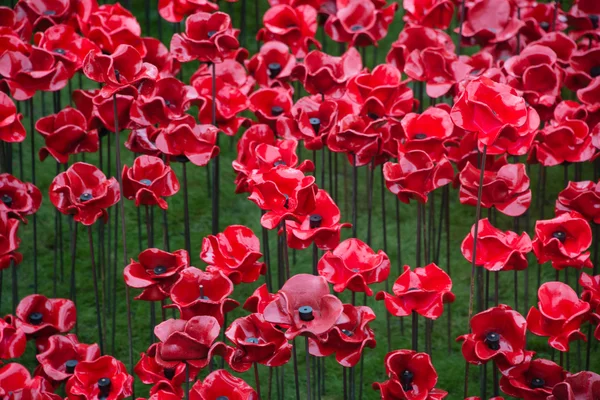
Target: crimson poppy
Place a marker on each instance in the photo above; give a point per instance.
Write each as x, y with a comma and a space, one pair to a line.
412, 40
589, 95
582, 385
202, 293
18, 199
272, 65
66, 133
12, 339
163, 394
103, 377
353, 265
479, 398
63, 354
327, 75
304, 306
489, 21
207, 38
235, 252
294, 26
427, 132
11, 128
219, 383
38, 316
246, 153
17, 383
563, 241
185, 140
177, 10
507, 189
560, 142
256, 341
44, 14
539, 19
155, 272
99, 110
582, 197
582, 68
360, 138
591, 289
497, 250
423, 290
416, 175
560, 315
348, 337
17, 22
271, 104
141, 141
515, 141
191, 341
532, 380
411, 376
148, 181
258, 300
84, 192
9, 241
158, 55
429, 13
123, 70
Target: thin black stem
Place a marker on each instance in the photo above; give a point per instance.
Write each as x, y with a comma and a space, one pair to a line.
257, 380
96, 294
186, 210
385, 250
354, 196
307, 364
73, 291
215, 182
295, 357
34, 217
415, 331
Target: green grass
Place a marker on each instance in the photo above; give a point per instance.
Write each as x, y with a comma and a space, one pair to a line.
236, 209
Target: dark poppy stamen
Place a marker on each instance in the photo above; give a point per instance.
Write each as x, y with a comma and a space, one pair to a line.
181, 158
560, 235
356, 28
276, 111
146, 182
406, 379
85, 196
159, 270
537, 383
595, 71
279, 162
594, 20
315, 123
420, 136
315, 221
355, 270
544, 25
274, 70
347, 332
222, 398
286, 203
118, 75
60, 51
211, 34
410, 289
49, 12
70, 366
169, 104
252, 340
306, 313
104, 385
7, 200
202, 296
492, 339
35, 318
373, 116
169, 373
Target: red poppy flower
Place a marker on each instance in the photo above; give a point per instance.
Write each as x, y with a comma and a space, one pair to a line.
103, 377
9, 241
270, 104
560, 315
17, 383
202, 293
412, 40
506, 189
359, 23
427, 132
354, 265
188, 141
84, 192
162, 101
360, 138
565, 141
259, 299
12, 339
24, 74
532, 380
497, 250
348, 337
17, 22
563, 241
272, 65
158, 55
235, 252
429, 13
141, 141
515, 141
155, 272
322, 228
177, 10
489, 21
424, 290
583, 68
294, 26
11, 128
44, 14
192, 341
66, 133
207, 38
17, 198
219, 383
119, 71
582, 197
416, 175
589, 95
66, 45
38, 316
304, 306
411, 376
99, 110
63, 354
148, 181
246, 159
257, 341
327, 75
591, 289
579, 386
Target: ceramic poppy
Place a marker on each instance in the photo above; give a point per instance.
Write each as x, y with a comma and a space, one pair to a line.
84, 192
497, 250
256, 341
12, 339
348, 338
9, 241
582, 68
322, 228
559, 315
235, 252
103, 377
489, 21
17, 22
202, 293
411, 376
246, 153
141, 141
259, 299
507, 189
284, 193
566, 141
304, 306
184, 140
271, 104
582, 385
99, 111
327, 75
430, 13
123, 70
18, 199
361, 138
207, 38
563, 241
582, 197
177, 10
17, 383
427, 132
155, 272
66, 133
11, 128
591, 289
588, 96
272, 65
353, 265
192, 341
38, 316
158, 55
62, 355
219, 383
532, 380
414, 39
416, 175
148, 181
423, 290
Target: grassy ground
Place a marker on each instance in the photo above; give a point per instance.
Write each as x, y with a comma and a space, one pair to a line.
54, 256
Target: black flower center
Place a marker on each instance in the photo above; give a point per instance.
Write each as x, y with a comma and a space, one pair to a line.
169, 103
118, 75
146, 182
279, 162
315, 221
347, 332
169, 373
276, 111
104, 387
560, 235
85, 196
537, 383
222, 398
181, 158
372, 115
492, 339
7, 200
356, 28
544, 25
70, 366
355, 270
252, 340
274, 69
420, 136
36, 318
406, 379
594, 20
595, 71
306, 313
60, 51
315, 123
49, 12
159, 270
286, 202
211, 34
